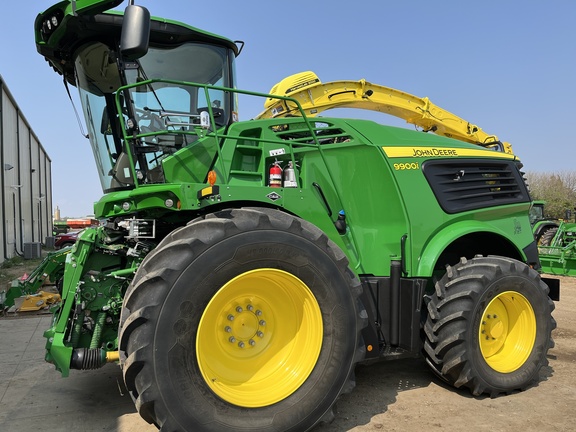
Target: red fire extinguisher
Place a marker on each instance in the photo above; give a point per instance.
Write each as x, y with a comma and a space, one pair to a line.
275, 179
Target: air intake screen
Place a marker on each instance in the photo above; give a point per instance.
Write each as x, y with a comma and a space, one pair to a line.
462, 185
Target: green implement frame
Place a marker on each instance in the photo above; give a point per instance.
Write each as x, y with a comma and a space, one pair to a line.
559, 257
50, 270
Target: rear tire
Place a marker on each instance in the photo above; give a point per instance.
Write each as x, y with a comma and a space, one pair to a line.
245, 320
489, 326
547, 237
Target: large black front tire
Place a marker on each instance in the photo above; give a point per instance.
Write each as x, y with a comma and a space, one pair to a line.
489, 326
244, 320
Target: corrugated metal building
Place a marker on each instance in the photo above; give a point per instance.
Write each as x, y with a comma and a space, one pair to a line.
26, 181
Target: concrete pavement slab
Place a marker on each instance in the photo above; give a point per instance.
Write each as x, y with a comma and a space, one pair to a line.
34, 397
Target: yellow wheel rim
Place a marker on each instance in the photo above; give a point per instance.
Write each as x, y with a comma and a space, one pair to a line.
259, 338
507, 332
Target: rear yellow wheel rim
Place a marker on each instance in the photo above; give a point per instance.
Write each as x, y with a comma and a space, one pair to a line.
259, 338
507, 332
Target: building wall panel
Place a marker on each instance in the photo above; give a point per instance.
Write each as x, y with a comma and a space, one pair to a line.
25, 181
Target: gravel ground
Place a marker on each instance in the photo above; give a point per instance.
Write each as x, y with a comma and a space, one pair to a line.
393, 396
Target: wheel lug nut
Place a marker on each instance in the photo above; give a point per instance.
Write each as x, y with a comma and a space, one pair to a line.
495, 317
251, 342
488, 316
228, 329
232, 339
239, 309
250, 307
262, 322
230, 317
241, 344
258, 312
260, 334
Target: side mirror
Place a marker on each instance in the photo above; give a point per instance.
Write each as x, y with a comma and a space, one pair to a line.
135, 32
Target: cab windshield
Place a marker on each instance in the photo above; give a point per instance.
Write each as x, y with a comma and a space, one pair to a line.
163, 112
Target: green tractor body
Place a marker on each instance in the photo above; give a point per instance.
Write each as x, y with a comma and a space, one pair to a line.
243, 268
542, 225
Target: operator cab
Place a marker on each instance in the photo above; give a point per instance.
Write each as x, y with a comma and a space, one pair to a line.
143, 108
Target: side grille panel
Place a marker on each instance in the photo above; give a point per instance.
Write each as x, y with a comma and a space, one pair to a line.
463, 185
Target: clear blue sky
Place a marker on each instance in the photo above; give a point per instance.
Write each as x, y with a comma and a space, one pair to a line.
507, 66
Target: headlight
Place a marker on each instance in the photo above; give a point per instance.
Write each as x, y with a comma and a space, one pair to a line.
51, 23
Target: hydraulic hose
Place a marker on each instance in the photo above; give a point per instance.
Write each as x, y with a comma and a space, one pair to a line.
98, 326
76, 330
